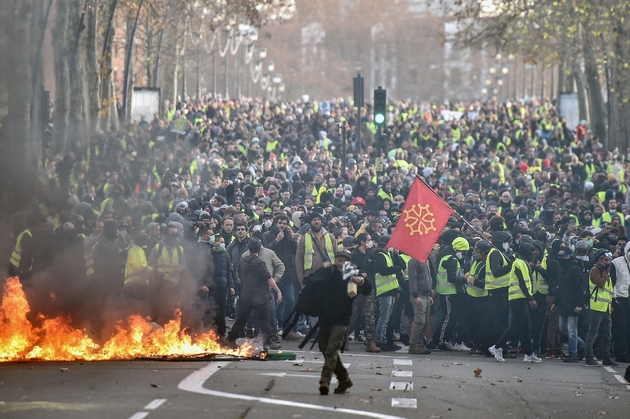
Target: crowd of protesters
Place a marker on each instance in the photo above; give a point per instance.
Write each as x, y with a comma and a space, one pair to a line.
178, 210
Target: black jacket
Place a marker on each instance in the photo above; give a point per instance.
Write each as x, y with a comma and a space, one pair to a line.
254, 276
222, 276
337, 307
570, 291
285, 250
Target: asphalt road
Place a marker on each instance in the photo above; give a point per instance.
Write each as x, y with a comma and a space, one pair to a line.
386, 386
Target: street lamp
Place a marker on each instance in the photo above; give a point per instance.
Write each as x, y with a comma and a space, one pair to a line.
262, 53
271, 67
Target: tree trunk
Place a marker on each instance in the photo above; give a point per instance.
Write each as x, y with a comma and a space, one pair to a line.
597, 108
77, 115
16, 159
91, 63
581, 93
62, 77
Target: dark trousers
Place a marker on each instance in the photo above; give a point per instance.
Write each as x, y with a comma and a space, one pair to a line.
217, 305
477, 316
262, 312
367, 304
331, 340
538, 316
621, 325
599, 324
498, 310
288, 302
454, 304
521, 326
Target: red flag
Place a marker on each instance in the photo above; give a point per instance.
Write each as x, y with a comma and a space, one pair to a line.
421, 222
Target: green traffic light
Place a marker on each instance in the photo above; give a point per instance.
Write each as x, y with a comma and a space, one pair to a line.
379, 118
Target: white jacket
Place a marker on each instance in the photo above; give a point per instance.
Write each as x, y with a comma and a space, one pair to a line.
623, 274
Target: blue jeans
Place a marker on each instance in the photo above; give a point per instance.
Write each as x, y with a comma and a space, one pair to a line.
385, 308
569, 327
288, 302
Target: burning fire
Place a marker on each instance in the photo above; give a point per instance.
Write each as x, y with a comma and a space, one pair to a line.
56, 340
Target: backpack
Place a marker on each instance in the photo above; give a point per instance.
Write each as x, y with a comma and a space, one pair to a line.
586, 282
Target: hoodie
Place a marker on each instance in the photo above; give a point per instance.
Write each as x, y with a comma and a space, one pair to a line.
254, 276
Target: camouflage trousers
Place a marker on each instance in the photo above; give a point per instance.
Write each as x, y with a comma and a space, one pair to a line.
365, 303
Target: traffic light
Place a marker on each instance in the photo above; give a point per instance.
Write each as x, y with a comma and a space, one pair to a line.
380, 105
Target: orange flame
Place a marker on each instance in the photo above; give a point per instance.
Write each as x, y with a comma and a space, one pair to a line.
56, 340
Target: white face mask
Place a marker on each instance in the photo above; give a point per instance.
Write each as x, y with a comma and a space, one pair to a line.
584, 258
268, 223
348, 194
459, 255
369, 244
506, 246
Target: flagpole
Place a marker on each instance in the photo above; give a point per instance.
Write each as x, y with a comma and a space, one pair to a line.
472, 228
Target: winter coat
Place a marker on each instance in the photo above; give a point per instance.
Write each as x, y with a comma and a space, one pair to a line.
570, 290
254, 276
222, 276
285, 250
337, 307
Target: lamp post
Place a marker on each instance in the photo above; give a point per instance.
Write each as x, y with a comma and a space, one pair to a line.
276, 80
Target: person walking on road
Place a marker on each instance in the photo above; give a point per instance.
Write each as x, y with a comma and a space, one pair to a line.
335, 312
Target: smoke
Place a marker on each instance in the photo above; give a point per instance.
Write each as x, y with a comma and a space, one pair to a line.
99, 305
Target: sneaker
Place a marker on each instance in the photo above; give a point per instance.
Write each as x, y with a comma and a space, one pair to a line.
393, 347
419, 350
431, 345
551, 356
275, 346
532, 358
497, 352
230, 343
570, 359
450, 346
384, 347
343, 386
292, 336
592, 363
461, 347
371, 347
610, 362
324, 388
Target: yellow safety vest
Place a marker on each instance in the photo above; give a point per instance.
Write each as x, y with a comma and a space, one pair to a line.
539, 283
167, 263
492, 282
406, 258
590, 171
16, 256
385, 283
601, 298
309, 250
443, 287
271, 146
475, 270
384, 195
89, 259
515, 292
136, 267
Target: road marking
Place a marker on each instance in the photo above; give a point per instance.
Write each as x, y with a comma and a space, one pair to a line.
284, 374
345, 364
140, 415
155, 404
404, 386
403, 361
405, 403
609, 369
398, 373
194, 383
620, 379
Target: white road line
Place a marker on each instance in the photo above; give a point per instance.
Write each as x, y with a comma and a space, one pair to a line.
403, 361
139, 415
405, 403
403, 386
609, 369
155, 404
194, 383
620, 379
345, 364
333, 380
397, 373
